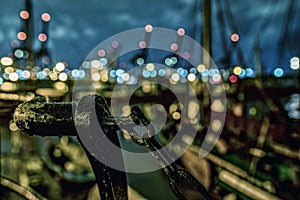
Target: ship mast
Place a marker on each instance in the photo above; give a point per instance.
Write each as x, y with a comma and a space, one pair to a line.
207, 31
28, 27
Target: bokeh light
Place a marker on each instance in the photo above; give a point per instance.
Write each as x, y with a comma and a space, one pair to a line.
294, 63
42, 37
6, 61
235, 37
191, 77
237, 70
186, 55
161, 72
101, 53
19, 53
96, 76
96, 64
13, 76
216, 78
278, 72
60, 66
115, 44
148, 28
46, 17
142, 44
21, 36
150, 67
200, 68
175, 77
9, 70
140, 61
174, 47
180, 32
125, 77
233, 78
24, 14
63, 76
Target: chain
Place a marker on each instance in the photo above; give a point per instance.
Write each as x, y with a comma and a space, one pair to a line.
26, 123
162, 157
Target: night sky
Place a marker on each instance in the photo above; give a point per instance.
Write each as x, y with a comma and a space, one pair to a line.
77, 26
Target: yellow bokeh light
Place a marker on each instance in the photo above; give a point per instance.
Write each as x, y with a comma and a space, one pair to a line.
176, 115
150, 67
104, 78
13, 126
191, 77
216, 125
61, 86
146, 87
173, 107
9, 70
237, 70
96, 64
193, 109
6, 61
53, 76
201, 68
60, 66
8, 86
217, 106
46, 71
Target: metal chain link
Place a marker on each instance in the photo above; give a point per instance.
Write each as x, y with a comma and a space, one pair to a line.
174, 173
136, 117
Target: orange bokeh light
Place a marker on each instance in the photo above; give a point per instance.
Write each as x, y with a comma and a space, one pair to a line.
46, 17
24, 14
22, 36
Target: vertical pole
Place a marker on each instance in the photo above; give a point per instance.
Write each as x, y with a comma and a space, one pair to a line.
207, 46
29, 30
207, 31
258, 67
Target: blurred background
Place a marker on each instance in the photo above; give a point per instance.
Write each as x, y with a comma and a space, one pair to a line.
254, 44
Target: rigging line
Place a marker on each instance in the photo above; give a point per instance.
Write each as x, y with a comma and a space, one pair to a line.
234, 27
237, 20
200, 23
284, 32
185, 9
195, 23
220, 20
267, 19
